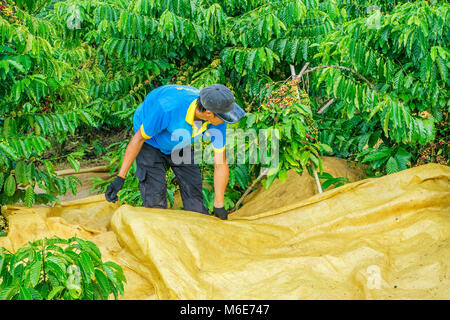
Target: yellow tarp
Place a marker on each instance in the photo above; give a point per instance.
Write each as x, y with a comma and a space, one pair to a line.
384, 238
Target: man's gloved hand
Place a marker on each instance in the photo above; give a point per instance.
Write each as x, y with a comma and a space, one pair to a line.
221, 213
113, 188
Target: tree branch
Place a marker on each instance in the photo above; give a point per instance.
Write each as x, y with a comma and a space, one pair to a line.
321, 110
301, 71
361, 77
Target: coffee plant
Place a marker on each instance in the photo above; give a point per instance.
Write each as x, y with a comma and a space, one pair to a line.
403, 58
286, 109
44, 99
58, 269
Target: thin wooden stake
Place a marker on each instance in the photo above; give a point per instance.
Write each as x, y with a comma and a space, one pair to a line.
261, 175
316, 177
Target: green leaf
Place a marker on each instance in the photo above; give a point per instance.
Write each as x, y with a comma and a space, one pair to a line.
74, 163
54, 269
242, 176
251, 119
54, 282
55, 291
375, 136
2, 180
25, 294
98, 295
268, 182
67, 257
299, 128
114, 278
386, 121
442, 69
87, 267
326, 184
317, 162
391, 166
10, 186
75, 293
103, 282
9, 151
58, 261
20, 173
35, 273
402, 157
49, 167
36, 295
9, 292
29, 197
290, 160
326, 148
336, 85
377, 155
282, 175
231, 179
304, 157
92, 249
272, 171
88, 292
325, 175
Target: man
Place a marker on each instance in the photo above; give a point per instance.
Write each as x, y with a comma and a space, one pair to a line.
165, 124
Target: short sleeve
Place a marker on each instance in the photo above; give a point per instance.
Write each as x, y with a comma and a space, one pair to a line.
154, 121
218, 136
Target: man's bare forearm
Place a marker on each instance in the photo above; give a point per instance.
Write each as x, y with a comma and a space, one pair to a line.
131, 153
221, 174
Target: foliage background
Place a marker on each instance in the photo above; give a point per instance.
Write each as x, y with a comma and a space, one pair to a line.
72, 71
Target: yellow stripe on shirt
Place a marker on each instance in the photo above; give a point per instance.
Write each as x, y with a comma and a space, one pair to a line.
190, 114
219, 150
144, 135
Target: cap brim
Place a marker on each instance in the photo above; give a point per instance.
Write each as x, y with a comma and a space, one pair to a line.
232, 116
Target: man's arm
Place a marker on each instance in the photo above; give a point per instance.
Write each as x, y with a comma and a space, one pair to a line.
221, 173
131, 153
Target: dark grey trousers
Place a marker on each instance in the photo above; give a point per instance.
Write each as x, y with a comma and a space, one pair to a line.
151, 174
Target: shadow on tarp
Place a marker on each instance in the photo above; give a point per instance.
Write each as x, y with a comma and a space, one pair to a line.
383, 238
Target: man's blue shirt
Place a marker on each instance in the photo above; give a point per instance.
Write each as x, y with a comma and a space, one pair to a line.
168, 109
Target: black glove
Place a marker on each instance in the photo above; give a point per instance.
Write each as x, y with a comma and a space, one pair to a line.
113, 188
221, 213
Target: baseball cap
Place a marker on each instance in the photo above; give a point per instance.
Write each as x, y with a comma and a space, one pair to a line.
220, 100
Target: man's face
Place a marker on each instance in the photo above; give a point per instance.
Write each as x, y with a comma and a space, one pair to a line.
211, 117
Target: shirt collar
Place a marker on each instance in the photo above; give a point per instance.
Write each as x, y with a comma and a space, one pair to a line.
190, 114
